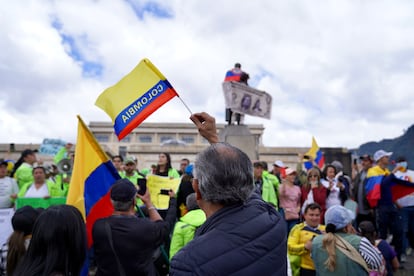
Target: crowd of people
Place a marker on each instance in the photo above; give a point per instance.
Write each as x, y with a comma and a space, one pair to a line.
229, 216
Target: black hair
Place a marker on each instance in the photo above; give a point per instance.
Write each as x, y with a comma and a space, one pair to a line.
167, 166
117, 156
330, 228
58, 244
313, 206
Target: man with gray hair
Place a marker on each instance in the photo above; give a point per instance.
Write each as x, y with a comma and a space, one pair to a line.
242, 235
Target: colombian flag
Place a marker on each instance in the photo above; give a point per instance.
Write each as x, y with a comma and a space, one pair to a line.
92, 176
373, 181
232, 75
135, 97
316, 154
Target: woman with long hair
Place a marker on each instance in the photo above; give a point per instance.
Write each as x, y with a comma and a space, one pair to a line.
58, 245
18, 242
289, 199
164, 167
314, 192
340, 251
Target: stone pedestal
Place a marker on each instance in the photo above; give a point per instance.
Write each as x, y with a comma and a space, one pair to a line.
241, 137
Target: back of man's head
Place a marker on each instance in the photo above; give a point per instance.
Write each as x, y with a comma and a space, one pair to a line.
224, 174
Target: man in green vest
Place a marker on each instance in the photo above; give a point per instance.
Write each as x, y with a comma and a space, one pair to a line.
131, 172
263, 185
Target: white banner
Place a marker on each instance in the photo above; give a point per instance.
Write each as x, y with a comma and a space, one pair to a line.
247, 100
5, 224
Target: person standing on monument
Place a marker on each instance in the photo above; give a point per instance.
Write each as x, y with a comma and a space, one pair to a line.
237, 75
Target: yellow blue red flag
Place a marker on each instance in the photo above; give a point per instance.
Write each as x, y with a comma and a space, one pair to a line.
135, 97
92, 177
316, 154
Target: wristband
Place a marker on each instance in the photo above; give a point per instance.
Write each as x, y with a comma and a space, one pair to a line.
151, 208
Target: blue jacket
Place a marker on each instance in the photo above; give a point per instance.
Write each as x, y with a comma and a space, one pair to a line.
242, 239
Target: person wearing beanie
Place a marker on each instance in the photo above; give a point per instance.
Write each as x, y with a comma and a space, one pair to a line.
185, 228
126, 243
18, 242
340, 251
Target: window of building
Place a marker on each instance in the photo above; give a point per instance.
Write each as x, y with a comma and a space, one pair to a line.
102, 137
126, 139
188, 139
122, 151
145, 138
164, 138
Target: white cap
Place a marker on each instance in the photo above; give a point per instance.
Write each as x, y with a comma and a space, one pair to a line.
290, 171
380, 154
279, 164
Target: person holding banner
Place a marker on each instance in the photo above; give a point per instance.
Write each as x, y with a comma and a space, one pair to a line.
41, 187
164, 167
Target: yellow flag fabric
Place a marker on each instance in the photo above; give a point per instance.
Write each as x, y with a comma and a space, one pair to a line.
135, 97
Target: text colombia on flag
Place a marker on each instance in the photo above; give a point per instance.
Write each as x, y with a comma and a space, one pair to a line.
92, 176
135, 97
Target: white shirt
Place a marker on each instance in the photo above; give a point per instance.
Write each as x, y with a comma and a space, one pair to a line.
333, 197
41, 192
8, 186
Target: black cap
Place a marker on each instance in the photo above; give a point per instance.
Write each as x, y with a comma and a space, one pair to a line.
27, 152
366, 227
123, 190
3, 162
24, 219
366, 157
237, 65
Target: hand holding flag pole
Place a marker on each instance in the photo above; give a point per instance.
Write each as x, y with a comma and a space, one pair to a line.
135, 97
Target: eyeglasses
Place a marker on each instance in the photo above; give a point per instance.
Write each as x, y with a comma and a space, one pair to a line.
313, 175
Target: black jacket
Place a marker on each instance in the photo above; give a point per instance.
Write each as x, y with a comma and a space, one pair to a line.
135, 240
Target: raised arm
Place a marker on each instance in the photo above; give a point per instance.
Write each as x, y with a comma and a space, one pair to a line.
206, 126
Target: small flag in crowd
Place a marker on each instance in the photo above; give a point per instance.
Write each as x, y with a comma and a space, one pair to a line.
92, 176
316, 154
135, 97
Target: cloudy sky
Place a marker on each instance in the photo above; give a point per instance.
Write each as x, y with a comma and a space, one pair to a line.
342, 71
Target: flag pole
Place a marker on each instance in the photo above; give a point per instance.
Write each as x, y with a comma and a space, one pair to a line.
191, 113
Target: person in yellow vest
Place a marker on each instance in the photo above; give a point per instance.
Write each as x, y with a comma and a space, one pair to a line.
164, 167
40, 187
130, 170
300, 241
23, 168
